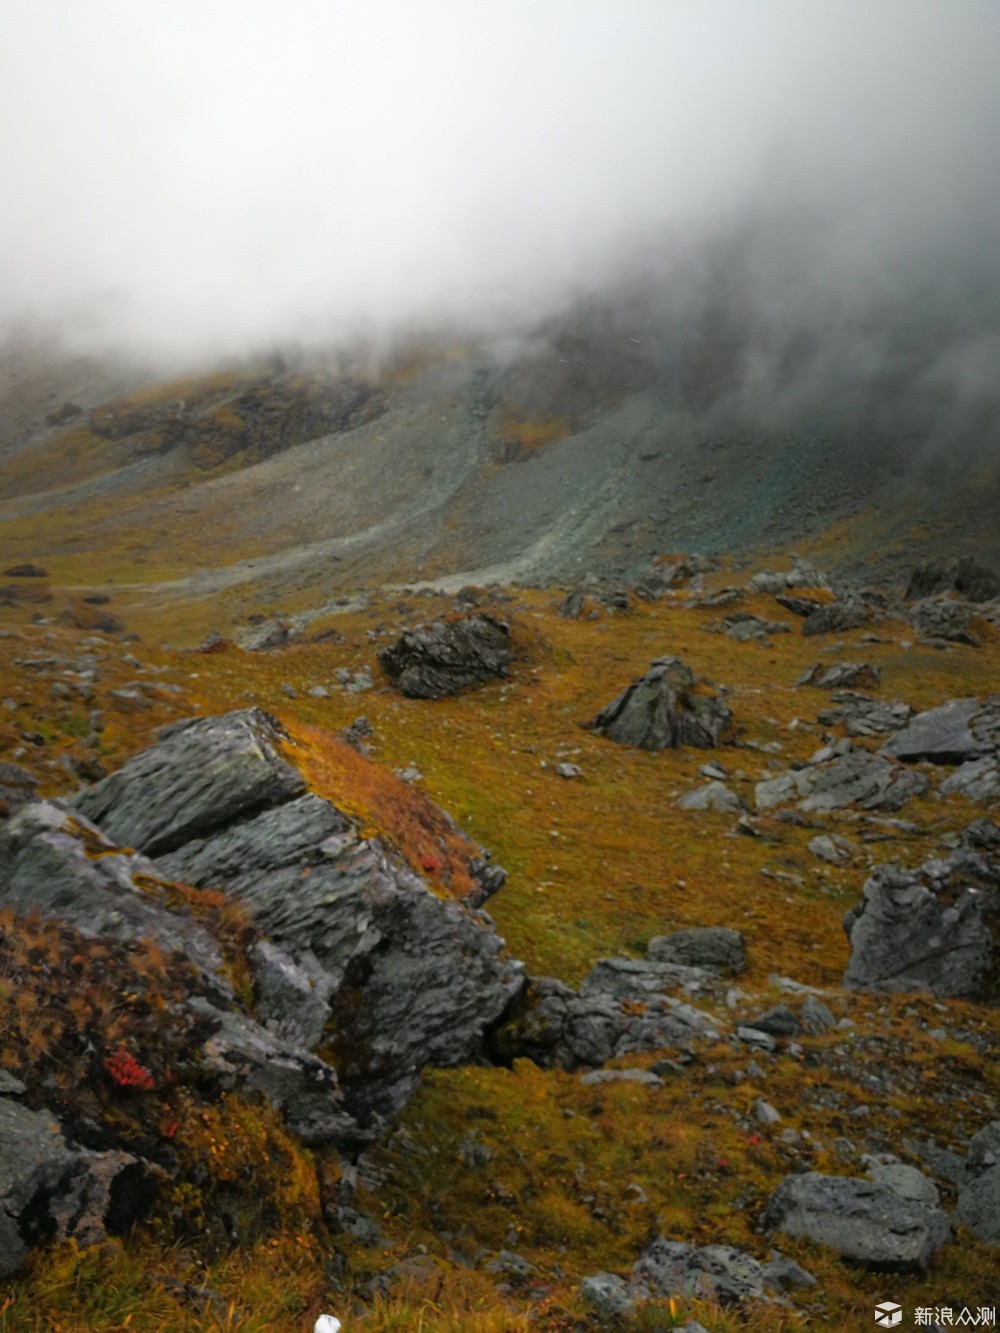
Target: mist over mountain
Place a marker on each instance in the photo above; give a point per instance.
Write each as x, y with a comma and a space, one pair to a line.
818, 182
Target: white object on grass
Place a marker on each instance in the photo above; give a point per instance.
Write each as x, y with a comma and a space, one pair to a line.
326, 1323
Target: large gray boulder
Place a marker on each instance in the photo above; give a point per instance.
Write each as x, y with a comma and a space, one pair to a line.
663, 710
932, 929
863, 715
50, 1189
446, 656
966, 576
864, 1221
958, 731
411, 978
835, 617
941, 618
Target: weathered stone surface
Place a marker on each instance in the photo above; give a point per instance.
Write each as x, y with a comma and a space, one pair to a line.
608, 1296
49, 1189
976, 780
862, 715
273, 633
17, 788
241, 1054
784, 789
664, 709
864, 1221
801, 575
554, 1025
200, 776
712, 1272
866, 780
941, 618
292, 1000
830, 848
416, 978
635, 978
778, 1021
959, 730
970, 579
713, 796
979, 1188
58, 864
841, 675
716, 948
927, 929
834, 618
445, 656
747, 628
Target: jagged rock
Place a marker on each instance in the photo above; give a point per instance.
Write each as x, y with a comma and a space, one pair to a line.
555, 1026
864, 716
201, 775
939, 618
862, 1220
273, 633
927, 929
801, 575
799, 606
834, 617
970, 579
841, 675
902, 1179
664, 709
712, 1272
779, 1021
784, 789
716, 948
291, 1000
979, 1186
744, 627
414, 979
867, 780
959, 730
982, 833
634, 978
446, 656
490, 879
977, 780
50, 1189
608, 1296
17, 788
713, 796
242, 1054
815, 1017
830, 848
58, 864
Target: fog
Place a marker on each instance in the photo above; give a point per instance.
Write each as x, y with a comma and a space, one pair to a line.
203, 179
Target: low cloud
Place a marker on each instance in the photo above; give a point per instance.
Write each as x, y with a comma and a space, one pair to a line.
205, 179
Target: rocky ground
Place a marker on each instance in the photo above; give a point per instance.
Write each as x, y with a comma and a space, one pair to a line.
622, 954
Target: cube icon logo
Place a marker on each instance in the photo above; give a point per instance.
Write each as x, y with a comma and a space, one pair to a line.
888, 1314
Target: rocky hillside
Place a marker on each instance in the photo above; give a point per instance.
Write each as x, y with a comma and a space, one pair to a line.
622, 954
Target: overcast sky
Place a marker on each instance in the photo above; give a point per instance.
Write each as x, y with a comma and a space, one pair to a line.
206, 176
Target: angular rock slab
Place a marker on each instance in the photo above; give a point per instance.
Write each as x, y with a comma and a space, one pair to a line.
864, 1221
958, 731
446, 656
979, 1189
931, 929
200, 776
413, 979
663, 710
717, 948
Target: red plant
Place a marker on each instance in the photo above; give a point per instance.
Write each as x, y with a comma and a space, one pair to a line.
430, 865
126, 1071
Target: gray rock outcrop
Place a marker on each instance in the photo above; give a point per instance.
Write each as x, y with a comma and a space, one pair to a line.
971, 580
857, 777
933, 928
663, 710
834, 618
958, 731
446, 656
717, 948
979, 1186
411, 978
862, 715
864, 1221
841, 675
